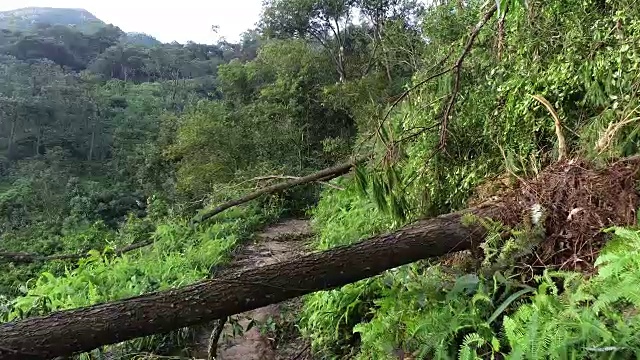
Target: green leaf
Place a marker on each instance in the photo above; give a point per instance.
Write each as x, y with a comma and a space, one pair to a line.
467, 283
361, 180
495, 344
93, 254
501, 6
384, 135
506, 304
379, 194
250, 325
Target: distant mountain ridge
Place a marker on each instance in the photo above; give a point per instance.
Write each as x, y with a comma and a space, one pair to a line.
27, 18
140, 39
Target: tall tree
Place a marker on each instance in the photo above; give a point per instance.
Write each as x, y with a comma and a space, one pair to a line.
326, 21
381, 15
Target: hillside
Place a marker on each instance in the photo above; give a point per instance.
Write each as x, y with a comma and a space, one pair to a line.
26, 18
427, 180
142, 39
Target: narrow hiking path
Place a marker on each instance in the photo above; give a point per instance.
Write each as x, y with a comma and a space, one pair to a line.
278, 242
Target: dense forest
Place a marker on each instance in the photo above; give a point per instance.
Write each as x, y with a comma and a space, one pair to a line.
116, 151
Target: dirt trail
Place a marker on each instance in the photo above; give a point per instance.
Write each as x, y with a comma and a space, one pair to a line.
276, 243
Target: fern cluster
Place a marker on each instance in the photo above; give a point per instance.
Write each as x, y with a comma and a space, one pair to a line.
435, 315
592, 318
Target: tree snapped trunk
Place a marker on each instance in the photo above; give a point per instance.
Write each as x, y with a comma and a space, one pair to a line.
72, 331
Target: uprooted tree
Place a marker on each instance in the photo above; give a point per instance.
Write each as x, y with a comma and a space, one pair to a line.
603, 197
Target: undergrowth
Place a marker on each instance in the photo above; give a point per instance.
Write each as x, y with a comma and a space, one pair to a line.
434, 311
341, 218
579, 56
179, 255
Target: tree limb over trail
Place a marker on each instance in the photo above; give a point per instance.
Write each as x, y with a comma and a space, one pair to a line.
322, 175
72, 331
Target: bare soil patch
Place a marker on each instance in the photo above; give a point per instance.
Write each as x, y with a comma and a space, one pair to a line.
274, 336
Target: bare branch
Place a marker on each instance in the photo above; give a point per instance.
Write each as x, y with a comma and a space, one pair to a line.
457, 73
25, 258
288, 177
562, 144
322, 175
607, 137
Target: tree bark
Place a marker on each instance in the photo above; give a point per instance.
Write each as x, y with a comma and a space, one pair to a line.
67, 332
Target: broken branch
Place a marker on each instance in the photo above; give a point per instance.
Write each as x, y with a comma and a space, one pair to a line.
457, 67
322, 175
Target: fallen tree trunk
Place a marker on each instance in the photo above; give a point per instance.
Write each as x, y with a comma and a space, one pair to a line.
72, 331
322, 175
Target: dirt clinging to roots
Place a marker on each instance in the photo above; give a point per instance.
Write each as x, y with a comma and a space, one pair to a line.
578, 200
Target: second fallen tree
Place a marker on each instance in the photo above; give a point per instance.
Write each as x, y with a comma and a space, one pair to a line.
321, 176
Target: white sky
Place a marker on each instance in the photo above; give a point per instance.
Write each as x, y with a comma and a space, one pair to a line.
166, 20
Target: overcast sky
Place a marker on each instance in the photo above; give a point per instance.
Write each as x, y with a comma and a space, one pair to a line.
166, 20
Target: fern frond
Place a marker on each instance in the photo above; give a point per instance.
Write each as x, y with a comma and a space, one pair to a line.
471, 343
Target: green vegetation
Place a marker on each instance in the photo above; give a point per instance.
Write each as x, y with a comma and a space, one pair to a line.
107, 141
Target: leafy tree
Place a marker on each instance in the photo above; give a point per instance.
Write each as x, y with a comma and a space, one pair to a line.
325, 21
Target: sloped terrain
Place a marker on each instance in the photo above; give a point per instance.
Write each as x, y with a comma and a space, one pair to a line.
25, 18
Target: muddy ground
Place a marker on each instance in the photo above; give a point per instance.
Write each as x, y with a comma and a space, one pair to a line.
274, 336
